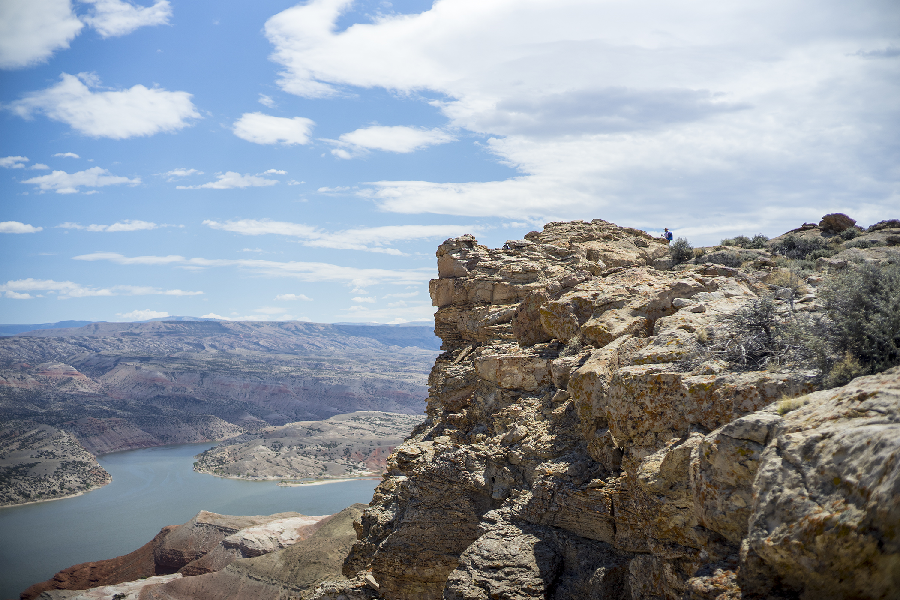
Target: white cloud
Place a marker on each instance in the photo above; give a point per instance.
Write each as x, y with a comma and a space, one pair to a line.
68, 183
274, 172
302, 271
136, 111
372, 239
181, 173
404, 295
265, 129
114, 17
17, 227
637, 112
142, 315
31, 30
66, 155
366, 299
39, 167
126, 225
230, 180
69, 289
17, 295
390, 139
13, 162
266, 101
293, 297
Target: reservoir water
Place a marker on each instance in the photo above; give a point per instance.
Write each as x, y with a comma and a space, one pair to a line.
151, 488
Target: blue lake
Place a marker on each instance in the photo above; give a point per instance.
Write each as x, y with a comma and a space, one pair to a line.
151, 488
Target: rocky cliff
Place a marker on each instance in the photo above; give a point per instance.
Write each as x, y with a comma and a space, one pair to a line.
582, 442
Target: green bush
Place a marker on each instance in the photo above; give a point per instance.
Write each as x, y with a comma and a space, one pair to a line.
681, 251
758, 241
802, 248
860, 332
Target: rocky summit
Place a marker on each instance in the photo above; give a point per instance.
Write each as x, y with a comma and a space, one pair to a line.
579, 442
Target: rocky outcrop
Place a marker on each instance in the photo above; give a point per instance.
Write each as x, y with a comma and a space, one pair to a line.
205, 544
580, 445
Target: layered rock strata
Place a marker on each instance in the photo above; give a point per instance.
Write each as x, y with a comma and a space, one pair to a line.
205, 544
571, 449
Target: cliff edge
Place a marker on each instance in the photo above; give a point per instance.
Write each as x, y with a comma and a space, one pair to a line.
588, 436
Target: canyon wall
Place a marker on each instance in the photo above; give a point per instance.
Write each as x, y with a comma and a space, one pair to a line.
580, 444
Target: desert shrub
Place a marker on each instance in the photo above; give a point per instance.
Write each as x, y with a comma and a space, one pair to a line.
788, 278
860, 332
862, 243
758, 241
852, 232
802, 248
754, 338
681, 251
727, 258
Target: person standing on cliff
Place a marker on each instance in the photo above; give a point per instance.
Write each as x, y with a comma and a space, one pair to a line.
668, 235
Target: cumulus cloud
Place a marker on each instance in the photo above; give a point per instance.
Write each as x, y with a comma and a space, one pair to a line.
126, 225
230, 180
302, 271
389, 139
69, 183
274, 172
69, 289
632, 111
293, 297
113, 18
31, 30
366, 299
39, 167
260, 128
142, 315
372, 239
13, 162
66, 155
17, 227
122, 114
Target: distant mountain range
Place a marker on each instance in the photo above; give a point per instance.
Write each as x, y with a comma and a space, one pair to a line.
16, 328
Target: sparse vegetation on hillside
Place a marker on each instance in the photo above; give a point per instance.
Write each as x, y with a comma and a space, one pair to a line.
860, 331
758, 241
681, 251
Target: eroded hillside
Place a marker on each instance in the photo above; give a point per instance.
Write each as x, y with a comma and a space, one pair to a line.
121, 386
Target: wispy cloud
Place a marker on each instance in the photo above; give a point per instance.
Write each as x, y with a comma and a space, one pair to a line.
230, 180
260, 128
266, 101
69, 183
17, 227
303, 271
398, 139
13, 162
303, 297
177, 173
66, 155
126, 225
137, 111
274, 172
371, 239
68, 289
113, 18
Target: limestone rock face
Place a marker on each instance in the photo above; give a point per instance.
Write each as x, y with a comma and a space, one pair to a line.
574, 449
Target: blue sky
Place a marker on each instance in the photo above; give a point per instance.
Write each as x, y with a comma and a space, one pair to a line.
273, 160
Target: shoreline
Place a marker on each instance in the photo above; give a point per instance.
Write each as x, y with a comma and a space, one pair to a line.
75, 495
288, 482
